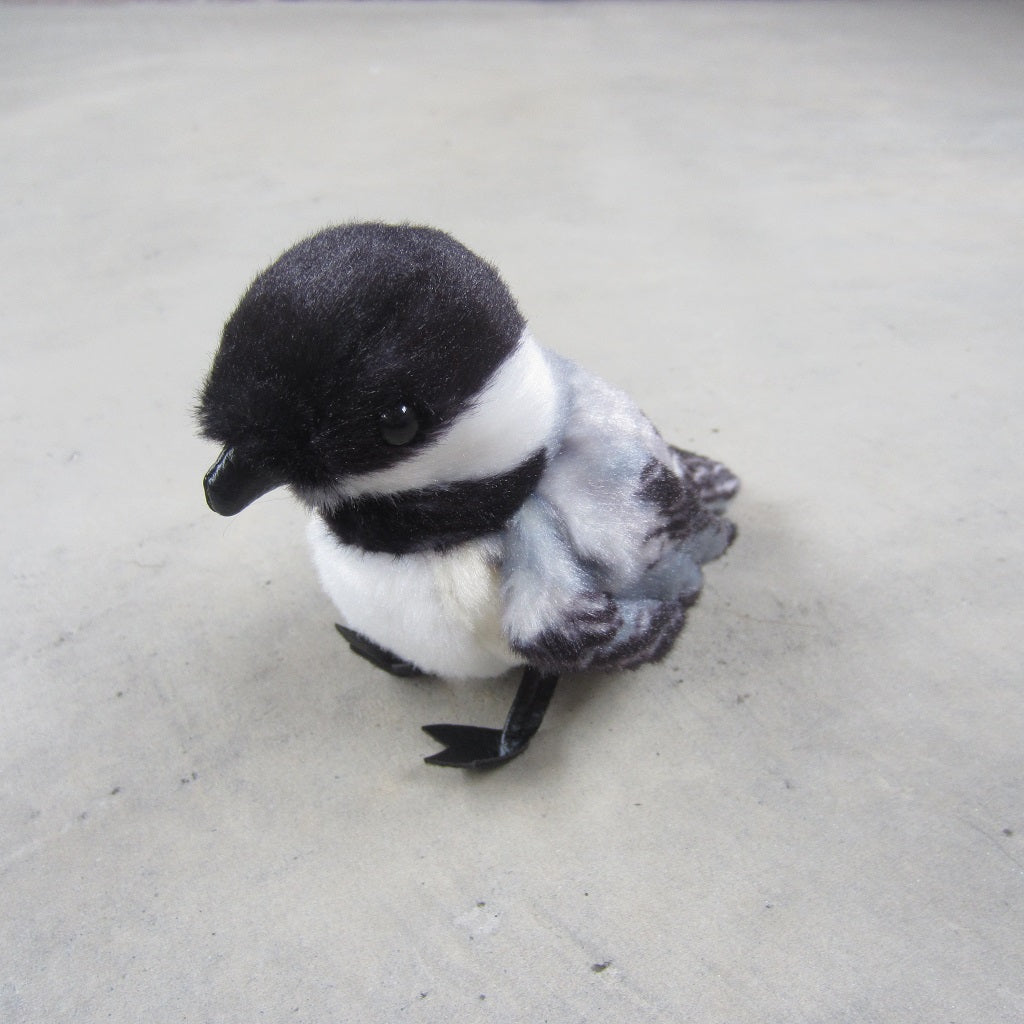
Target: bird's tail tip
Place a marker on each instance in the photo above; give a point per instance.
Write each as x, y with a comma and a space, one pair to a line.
714, 482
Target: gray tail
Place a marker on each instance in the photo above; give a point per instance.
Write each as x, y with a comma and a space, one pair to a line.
714, 483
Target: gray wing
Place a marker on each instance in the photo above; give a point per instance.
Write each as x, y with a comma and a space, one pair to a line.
601, 564
714, 483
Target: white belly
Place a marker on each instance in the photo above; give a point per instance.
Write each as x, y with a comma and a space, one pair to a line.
441, 611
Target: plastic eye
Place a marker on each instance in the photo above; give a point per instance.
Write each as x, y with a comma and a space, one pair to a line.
399, 425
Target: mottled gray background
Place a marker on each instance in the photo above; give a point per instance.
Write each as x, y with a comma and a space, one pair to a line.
794, 233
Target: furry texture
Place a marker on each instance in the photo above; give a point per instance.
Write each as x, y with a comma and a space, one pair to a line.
437, 609
344, 326
433, 518
537, 517
506, 423
604, 559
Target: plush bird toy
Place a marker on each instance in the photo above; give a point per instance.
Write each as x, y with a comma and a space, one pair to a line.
478, 503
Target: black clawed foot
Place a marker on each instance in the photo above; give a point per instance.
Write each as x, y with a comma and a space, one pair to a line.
473, 746
378, 656
467, 746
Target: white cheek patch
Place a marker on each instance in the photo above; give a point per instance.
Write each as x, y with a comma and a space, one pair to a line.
513, 417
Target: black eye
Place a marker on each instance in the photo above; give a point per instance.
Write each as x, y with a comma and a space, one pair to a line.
399, 425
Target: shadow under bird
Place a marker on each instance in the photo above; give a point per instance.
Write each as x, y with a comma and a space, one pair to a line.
477, 502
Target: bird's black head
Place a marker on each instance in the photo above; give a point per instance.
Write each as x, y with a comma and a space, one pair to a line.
355, 349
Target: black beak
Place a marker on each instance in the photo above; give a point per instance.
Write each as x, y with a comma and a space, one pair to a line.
231, 483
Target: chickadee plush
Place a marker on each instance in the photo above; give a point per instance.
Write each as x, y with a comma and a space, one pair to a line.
477, 502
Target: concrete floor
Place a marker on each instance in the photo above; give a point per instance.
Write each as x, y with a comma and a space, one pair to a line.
794, 233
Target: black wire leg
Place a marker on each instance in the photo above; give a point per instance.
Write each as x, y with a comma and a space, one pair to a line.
474, 746
378, 656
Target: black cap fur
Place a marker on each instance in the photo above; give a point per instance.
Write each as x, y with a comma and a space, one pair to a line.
341, 328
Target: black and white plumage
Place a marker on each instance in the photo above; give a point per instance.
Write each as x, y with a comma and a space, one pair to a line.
478, 503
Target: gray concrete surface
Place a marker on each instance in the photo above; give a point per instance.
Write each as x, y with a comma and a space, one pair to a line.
794, 233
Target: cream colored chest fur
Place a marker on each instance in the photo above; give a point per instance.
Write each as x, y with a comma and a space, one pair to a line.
441, 611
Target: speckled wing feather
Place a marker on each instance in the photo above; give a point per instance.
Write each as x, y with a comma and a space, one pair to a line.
714, 483
602, 562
